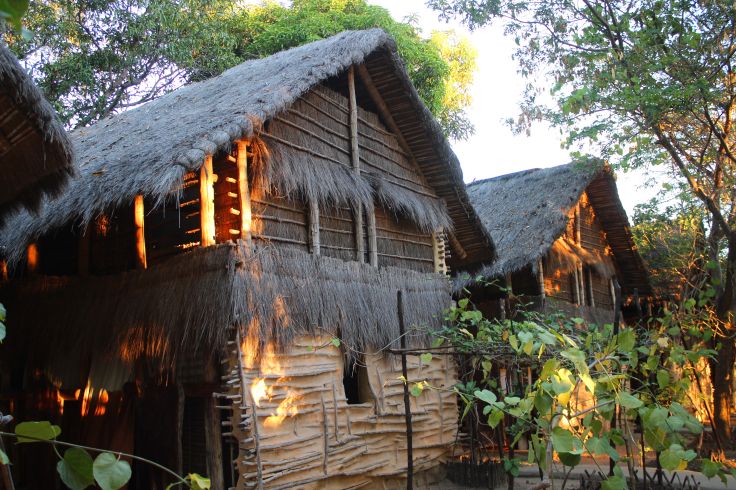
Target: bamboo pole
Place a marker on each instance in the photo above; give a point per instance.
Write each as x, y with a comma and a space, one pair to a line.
372, 238
246, 216
140, 233
314, 226
540, 278
207, 203
355, 160
407, 402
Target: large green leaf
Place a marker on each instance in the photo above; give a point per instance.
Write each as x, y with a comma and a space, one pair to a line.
569, 459
486, 396
627, 400
562, 440
199, 482
4, 457
35, 431
614, 483
75, 469
110, 472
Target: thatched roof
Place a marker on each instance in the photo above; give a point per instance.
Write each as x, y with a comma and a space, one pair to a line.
192, 300
148, 150
526, 212
35, 151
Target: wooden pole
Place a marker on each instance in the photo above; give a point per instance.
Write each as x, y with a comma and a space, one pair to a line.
32, 258
407, 402
207, 203
438, 249
246, 216
355, 160
254, 414
540, 278
140, 233
314, 226
372, 238
213, 434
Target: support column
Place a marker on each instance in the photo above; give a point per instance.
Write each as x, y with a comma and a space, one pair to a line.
314, 226
207, 203
355, 160
372, 238
244, 192
438, 248
540, 278
140, 233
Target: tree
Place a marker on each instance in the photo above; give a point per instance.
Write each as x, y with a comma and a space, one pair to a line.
96, 58
643, 83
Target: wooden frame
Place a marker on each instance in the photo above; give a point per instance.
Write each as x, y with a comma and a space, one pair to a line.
207, 203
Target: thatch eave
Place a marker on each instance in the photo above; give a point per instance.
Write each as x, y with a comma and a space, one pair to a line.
36, 157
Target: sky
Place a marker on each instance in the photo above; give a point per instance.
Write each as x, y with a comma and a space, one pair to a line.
494, 149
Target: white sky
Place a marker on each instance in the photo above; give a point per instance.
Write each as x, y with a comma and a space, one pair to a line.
494, 149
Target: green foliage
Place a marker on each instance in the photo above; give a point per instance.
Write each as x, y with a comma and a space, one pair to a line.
12, 11
106, 56
35, 431
569, 357
75, 469
110, 472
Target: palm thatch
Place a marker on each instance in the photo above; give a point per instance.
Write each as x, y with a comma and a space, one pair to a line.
35, 151
191, 301
149, 149
526, 212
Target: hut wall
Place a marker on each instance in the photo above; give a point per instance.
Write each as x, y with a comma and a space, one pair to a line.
280, 221
401, 244
310, 437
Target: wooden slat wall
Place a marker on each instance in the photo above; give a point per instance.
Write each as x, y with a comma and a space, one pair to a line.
337, 233
281, 222
401, 244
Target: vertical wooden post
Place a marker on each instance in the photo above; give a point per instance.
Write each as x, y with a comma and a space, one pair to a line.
254, 412
540, 278
207, 202
140, 233
213, 434
244, 191
314, 226
579, 277
32, 258
372, 238
407, 401
355, 159
589, 281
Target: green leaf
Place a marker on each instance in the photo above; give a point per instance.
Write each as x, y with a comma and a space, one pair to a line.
626, 340
485, 395
495, 418
627, 400
2, 312
562, 440
35, 431
426, 358
512, 400
335, 342
663, 379
671, 460
569, 459
110, 473
614, 483
199, 482
416, 389
4, 457
75, 469
550, 367
3, 331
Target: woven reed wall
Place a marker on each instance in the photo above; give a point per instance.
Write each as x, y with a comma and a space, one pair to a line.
401, 244
280, 221
337, 233
321, 441
593, 238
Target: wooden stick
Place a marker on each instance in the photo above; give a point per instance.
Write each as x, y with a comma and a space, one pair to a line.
372, 238
407, 402
540, 278
314, 226
140, 233
355, 160
207, 202
244, 192
438, 249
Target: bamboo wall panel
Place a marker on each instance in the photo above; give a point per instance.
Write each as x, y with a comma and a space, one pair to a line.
227, 204
402, 244
309, 437
280, 221
173, 227
337, 233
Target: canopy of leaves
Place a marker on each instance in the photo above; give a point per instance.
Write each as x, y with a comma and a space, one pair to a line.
94, 58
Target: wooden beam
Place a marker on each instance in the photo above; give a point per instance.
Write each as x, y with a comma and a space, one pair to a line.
355, 160
457, 246
32, 258
383, 109
140, 233
314, 226
246, 216
540, 278
207, 203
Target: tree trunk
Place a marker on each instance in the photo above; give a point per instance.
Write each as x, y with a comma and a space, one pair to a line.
722, 366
